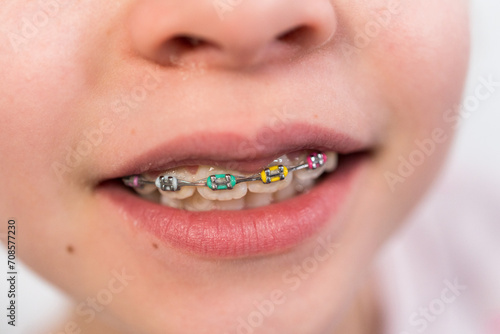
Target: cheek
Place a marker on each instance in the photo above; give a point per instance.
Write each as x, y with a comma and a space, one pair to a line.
40, 87
44, 77
419, 65
422, 59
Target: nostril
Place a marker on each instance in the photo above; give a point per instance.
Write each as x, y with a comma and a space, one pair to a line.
173, 33
187, 42
179, 46
301, 35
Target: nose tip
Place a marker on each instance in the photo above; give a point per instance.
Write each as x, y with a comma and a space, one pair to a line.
250, 33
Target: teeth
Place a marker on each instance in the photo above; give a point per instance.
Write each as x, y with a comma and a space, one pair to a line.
237, 192
235, 204
154, 196
183, 173
183, 193
146, 189
306, 174
302, 185
283, 160
284, 194
172, 202
254, 200
329, 166
198, 203
331, 162
297, 158
260, 187
244, 195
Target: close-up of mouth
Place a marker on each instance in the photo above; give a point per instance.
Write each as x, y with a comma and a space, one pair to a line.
225, 203
205, 188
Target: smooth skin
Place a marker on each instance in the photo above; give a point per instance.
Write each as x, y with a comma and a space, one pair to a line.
386, 72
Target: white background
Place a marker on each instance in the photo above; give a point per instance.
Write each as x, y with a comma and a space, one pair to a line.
476, 153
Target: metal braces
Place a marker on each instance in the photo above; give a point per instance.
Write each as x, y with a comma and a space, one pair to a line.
216, 182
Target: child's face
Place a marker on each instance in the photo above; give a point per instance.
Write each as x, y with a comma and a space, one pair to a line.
98, 90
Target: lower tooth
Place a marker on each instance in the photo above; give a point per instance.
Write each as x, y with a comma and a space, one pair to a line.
302, 185
235, 204
285, 193
153, 197
146, 189
254, 200
172, 202
198, 203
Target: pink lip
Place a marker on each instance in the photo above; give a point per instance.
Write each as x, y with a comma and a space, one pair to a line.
235, 151
233, 234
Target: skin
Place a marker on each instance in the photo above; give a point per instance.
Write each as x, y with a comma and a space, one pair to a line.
62, 76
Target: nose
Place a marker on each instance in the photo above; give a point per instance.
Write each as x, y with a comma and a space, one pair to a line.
229, 33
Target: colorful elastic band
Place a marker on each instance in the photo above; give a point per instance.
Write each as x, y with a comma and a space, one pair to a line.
269, 175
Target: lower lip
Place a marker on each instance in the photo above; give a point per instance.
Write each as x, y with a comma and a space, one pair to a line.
233, 234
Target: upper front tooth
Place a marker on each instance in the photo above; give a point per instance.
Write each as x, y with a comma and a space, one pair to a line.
238, 191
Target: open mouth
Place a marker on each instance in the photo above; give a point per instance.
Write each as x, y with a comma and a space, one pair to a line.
208, 198
206, 188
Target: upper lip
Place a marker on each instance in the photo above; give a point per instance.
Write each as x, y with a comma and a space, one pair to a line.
233, 151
